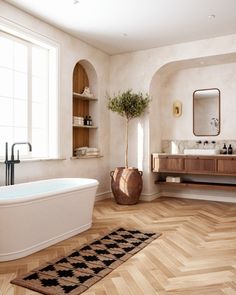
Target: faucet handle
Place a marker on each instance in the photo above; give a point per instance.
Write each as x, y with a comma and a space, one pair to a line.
199, 141
6, 152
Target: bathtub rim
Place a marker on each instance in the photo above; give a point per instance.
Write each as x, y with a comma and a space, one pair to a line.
44, 195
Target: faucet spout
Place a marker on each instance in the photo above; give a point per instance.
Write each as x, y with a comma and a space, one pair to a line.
19, 143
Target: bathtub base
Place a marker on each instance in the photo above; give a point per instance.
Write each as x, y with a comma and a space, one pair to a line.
34, 223
43, 245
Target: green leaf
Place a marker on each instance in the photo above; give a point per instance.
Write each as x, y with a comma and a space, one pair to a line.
128, 104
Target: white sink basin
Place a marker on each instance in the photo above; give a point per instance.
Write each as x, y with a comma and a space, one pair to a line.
201, 151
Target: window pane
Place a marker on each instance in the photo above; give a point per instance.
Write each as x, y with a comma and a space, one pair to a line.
20, 135
39, 115
20, 113
6, 85
39, 89
25, 107
39, 61
21, 85
20, 57
6, 136
39, 143
6, 56
6, 111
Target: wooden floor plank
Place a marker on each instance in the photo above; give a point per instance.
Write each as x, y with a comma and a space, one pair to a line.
196, 254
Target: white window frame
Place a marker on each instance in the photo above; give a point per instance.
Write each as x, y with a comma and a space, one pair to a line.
15, 31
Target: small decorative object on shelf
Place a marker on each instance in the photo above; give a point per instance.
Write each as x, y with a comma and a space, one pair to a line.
90, 121
92, 152
230, 150
224, 149
80, 151
78, 121
84, 97
86, 120
176, 179
87, 92
86, 152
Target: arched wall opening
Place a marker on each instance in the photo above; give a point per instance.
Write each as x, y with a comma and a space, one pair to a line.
85, 106
178, 80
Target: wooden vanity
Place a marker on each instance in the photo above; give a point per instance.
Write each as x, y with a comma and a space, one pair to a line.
185, 165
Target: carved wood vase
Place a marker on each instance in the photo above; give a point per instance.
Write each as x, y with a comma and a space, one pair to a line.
126, 185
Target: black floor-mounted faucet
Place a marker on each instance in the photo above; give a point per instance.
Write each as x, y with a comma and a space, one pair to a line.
10, 164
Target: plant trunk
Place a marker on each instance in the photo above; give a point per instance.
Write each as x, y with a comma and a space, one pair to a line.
126, 141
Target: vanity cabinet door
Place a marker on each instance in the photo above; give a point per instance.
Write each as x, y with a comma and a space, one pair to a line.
200, 165
226, 166
171, 164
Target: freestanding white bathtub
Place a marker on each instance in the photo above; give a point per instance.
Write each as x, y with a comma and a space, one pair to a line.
38, 214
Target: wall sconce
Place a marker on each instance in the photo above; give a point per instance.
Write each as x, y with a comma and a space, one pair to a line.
177, 108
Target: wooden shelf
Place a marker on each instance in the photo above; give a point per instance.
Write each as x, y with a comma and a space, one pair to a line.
199, 185
86, 157
83, 106
85, 126
83, 97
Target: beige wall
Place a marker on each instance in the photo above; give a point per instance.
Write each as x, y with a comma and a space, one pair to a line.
141, 71
71, 51
180, 85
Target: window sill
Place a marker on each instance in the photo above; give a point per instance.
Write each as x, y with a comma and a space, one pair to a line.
86, 157
37, 160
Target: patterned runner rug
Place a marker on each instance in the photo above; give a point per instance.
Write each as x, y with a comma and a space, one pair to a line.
82, 267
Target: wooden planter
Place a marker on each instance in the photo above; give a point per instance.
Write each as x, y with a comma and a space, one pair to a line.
126, 185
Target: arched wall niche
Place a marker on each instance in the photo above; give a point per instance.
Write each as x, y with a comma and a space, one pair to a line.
85, 75
160, 111
204, 72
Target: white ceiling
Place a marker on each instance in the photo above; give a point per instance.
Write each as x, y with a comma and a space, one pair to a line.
118, 26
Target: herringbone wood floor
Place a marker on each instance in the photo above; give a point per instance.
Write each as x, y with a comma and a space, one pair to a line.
196, 254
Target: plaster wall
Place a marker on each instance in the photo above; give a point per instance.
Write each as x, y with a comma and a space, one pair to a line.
142, 71
72, 50
180, 85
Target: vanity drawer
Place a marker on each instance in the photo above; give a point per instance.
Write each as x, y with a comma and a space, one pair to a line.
226, 166
199, 165
171, 164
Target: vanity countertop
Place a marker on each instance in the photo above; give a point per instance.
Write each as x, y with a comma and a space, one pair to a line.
189, 156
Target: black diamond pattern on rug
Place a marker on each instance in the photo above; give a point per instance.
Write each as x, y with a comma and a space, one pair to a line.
84, 266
